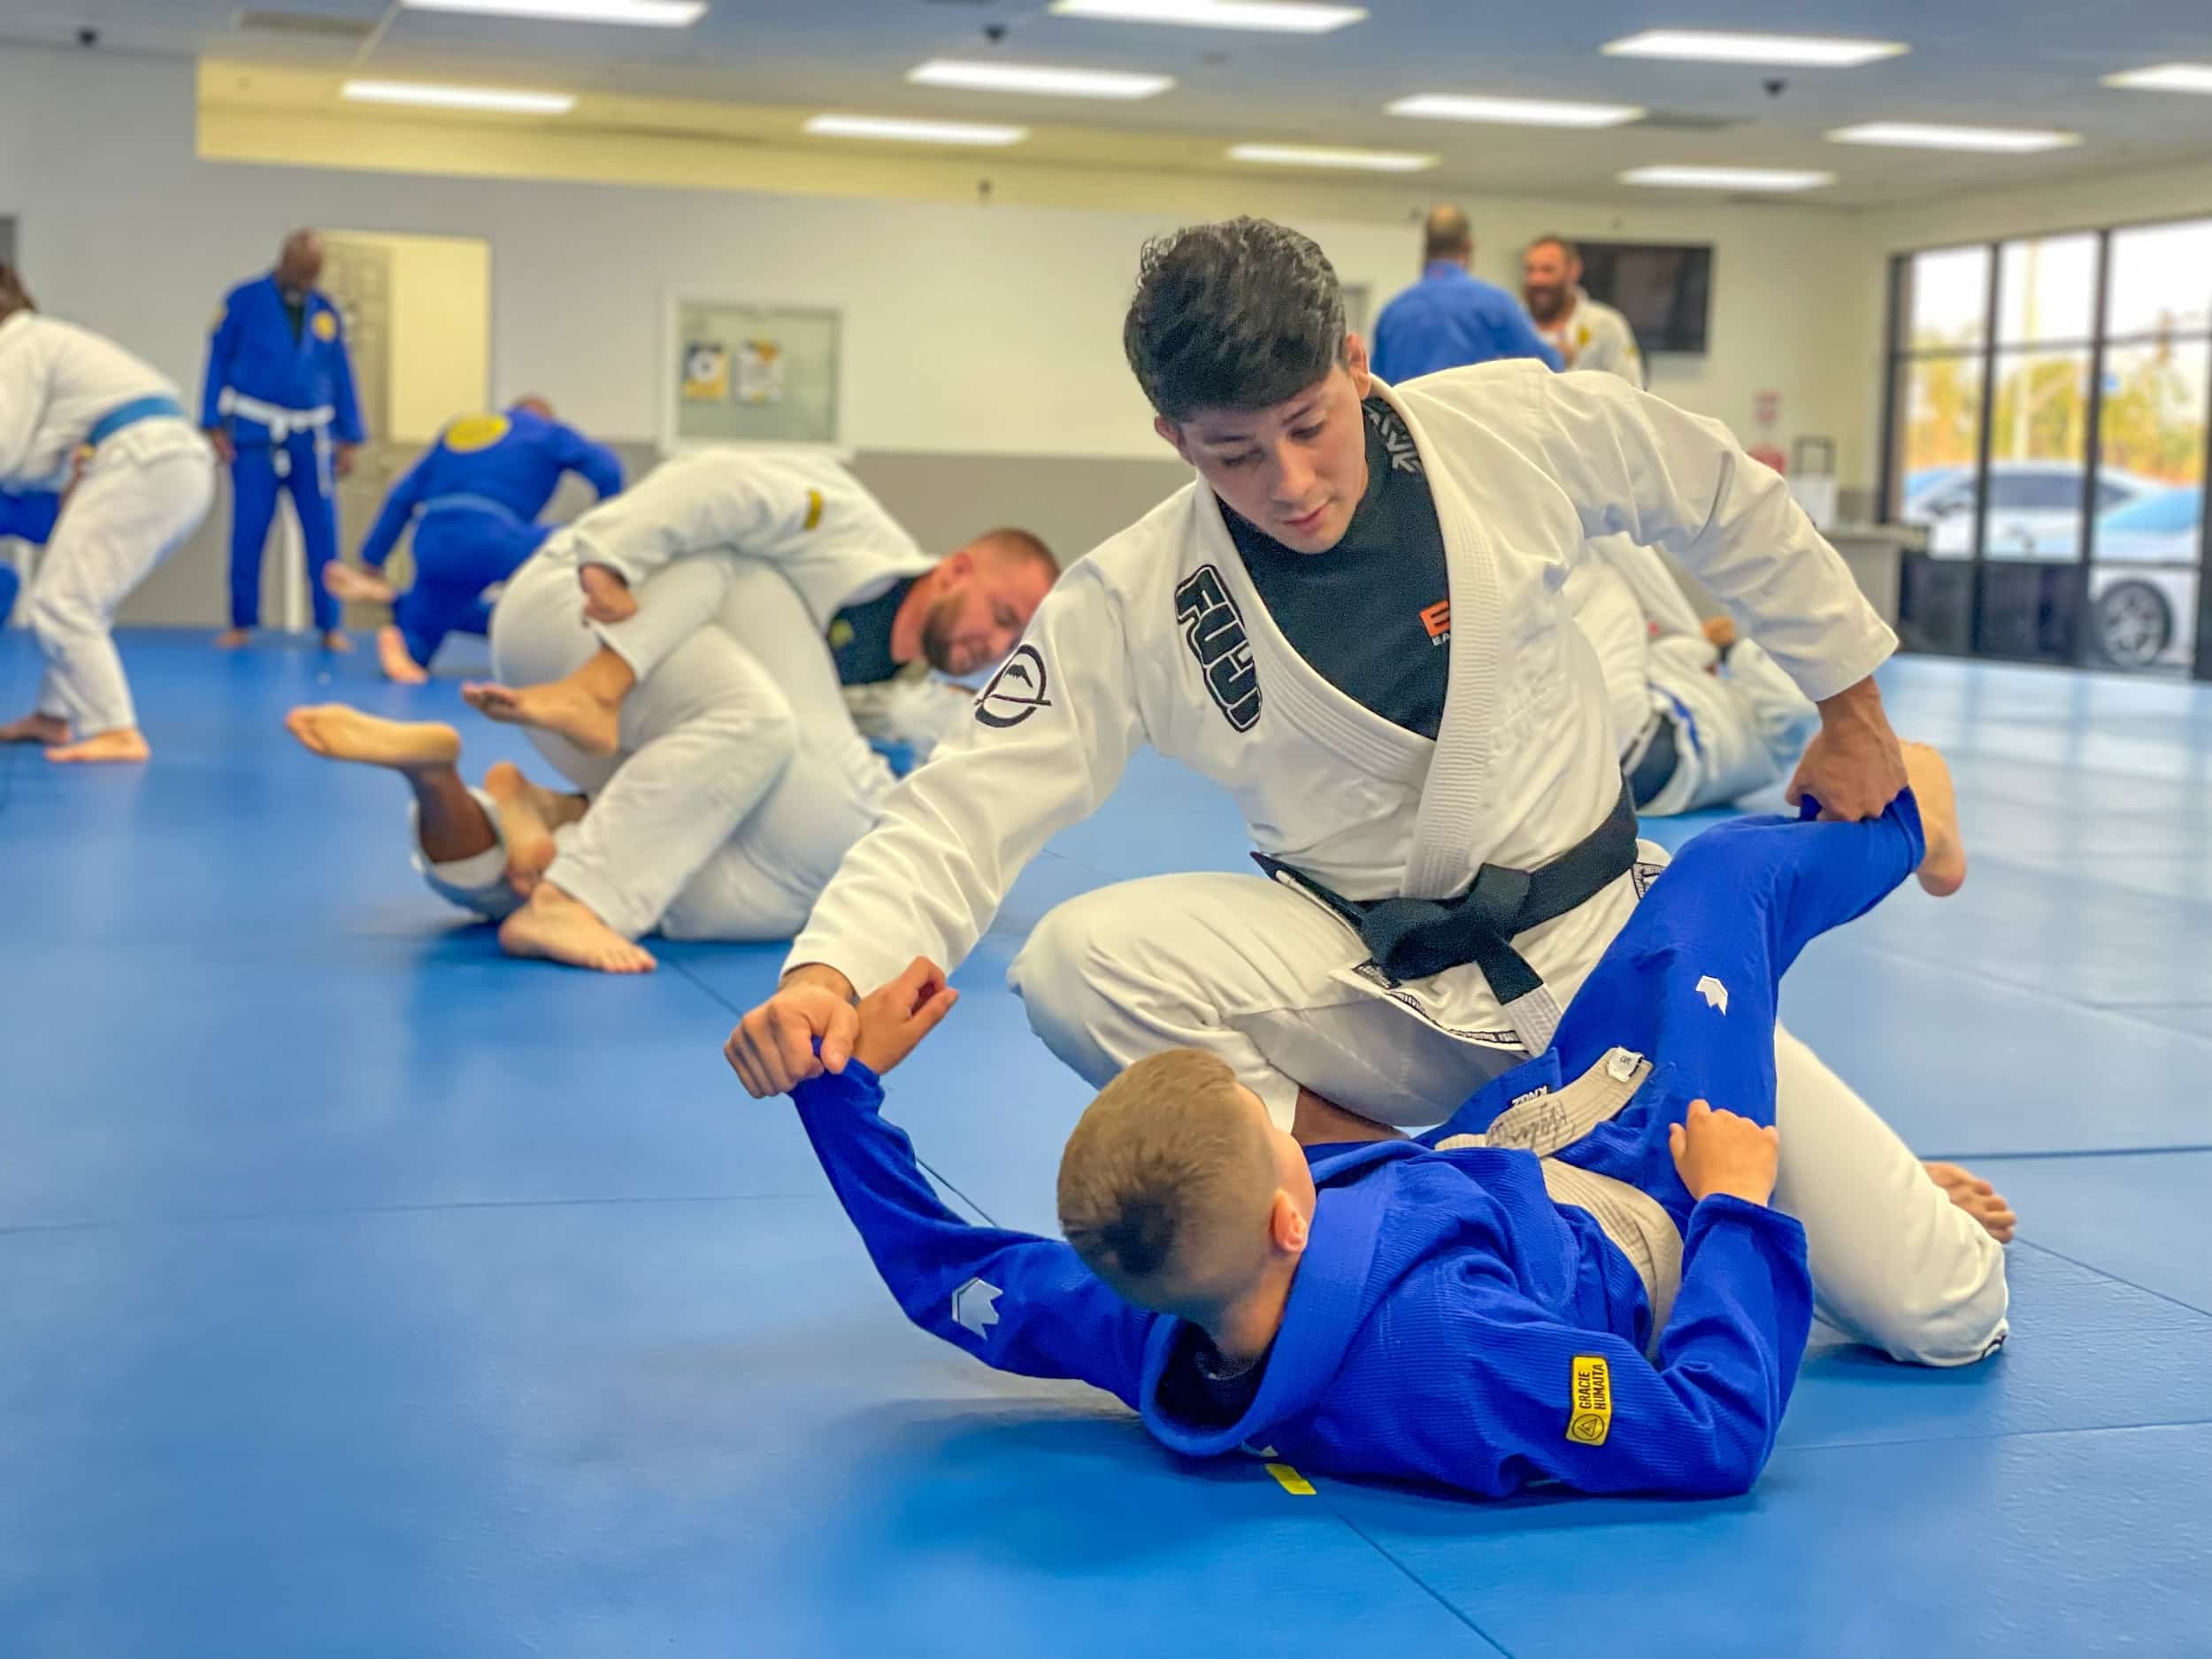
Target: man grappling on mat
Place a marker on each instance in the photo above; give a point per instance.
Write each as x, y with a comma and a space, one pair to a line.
1351, 619
1581, 1277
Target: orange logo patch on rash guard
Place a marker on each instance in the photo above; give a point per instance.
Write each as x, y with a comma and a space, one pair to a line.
1437, 619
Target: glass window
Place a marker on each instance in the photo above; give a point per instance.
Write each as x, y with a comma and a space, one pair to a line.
2047, 289
1947, 298
2162, 281
2038, 456
1938, 430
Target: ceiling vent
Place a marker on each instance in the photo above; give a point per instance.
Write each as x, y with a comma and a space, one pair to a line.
302, 26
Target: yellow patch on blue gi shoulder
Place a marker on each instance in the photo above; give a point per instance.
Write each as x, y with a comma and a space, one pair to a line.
222, 316
840, 635
1292, 1482
813, 508
1590, 1415
472, 433
325, 325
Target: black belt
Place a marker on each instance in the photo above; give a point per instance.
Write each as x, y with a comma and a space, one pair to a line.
1656, 769
1411, 938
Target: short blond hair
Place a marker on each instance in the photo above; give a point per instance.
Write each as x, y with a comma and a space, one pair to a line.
1166, 1183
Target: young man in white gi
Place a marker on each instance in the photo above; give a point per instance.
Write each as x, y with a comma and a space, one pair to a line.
140, 490
1352, 621
724, 787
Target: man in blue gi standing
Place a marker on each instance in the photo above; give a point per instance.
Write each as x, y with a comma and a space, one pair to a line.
279, 408
1452, 318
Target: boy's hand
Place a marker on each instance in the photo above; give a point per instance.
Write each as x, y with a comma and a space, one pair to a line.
607, 595
896, 1017
1720, 1152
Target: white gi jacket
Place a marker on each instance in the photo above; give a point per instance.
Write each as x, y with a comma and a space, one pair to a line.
1595, 337
1158, 636
57, 382
808, 517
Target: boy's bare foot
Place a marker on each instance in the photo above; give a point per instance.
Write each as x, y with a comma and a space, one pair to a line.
1943, 872
562, 707
356, 586
527, 817
124, 743
233, 639
392, 658
35, 728
558, 928
335, 641
337, 733
1977, 1197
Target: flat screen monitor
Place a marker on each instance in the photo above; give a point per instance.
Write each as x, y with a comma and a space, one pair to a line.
1666, 290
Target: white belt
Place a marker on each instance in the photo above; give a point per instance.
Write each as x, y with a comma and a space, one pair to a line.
281, 423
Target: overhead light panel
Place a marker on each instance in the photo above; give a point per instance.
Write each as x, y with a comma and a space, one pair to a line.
1306, 155
424, 95
1728, 178
1704, 46
2165, 77
1284, 17
902, 131
1052, 83
652, 14
1991, 140
1447, 106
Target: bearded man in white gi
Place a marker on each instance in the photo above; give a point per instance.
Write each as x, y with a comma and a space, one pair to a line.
1352, 620
73, 403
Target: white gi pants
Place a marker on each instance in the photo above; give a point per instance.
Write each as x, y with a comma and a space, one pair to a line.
1736, 730
1243, 968
141, 498
711, 821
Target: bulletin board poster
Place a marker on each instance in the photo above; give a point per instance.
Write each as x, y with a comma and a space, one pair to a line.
752, 373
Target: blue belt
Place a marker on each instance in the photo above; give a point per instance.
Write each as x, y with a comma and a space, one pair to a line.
473, 503
138, 409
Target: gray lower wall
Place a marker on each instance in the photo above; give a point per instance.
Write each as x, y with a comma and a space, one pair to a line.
944, 500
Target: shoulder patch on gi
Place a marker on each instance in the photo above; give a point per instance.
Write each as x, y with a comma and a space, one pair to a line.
1714, 991
975, 1307
1214, 630
325, 325
813, 510
1590, 1414
472, 433
1016, 691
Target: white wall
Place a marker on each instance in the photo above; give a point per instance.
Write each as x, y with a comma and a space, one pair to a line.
981, 330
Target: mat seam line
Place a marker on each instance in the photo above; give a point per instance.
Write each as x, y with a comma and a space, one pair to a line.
2003, 1434
102, 1223
2118, 1010
2117, 1279
1420, 1583
2084, 1152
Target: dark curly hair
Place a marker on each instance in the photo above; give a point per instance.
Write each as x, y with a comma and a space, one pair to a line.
1235, 315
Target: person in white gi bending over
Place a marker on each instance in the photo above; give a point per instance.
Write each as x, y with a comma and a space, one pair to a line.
1352, 620
73, 403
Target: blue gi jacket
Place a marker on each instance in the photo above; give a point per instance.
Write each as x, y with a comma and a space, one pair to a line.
1449, 319
1442, 1326
28, 515
509, 464
252, 352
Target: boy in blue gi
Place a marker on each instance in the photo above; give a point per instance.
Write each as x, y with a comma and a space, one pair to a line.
1577, 1278
25, 516
473, 498
278, 406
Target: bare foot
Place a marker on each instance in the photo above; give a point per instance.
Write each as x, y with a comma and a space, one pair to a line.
356, 586
335, 641
337, 733
233, 639
1943, 872
1720, 632
35, 728
1977, 1197
558, 928
392, 658
522, 825
607, 596
125, 742
563, 708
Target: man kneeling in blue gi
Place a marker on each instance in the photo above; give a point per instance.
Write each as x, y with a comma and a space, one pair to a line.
1577, 1278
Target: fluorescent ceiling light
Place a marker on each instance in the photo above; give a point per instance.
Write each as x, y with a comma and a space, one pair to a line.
1447, 106
1728, 178
914, 132
652, 14
499, 100
1914, 135
2165, 77
1305, 156
1812, 51
1057, 83
1286, 16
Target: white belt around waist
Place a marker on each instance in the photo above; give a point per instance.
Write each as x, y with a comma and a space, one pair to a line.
282, 423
